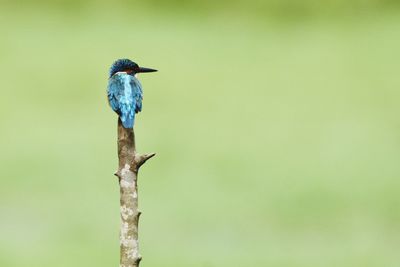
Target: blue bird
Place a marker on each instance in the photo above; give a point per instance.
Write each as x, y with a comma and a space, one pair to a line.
124, 90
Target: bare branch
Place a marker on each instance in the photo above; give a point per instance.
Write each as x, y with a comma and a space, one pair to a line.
129, 164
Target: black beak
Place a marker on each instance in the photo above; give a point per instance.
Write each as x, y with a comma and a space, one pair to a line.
141, 69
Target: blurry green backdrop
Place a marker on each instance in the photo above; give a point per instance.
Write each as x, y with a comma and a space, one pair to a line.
276, 126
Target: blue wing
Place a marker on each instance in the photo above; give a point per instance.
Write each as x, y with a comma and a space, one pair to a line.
125, 96
114, 92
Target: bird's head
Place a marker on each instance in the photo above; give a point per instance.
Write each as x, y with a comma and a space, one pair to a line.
128, 66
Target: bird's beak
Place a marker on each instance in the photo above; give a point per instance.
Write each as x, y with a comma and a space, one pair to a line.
141, 69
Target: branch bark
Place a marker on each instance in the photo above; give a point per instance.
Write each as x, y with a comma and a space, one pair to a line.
129, 164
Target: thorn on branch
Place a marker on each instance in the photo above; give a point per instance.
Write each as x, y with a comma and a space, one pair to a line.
141, 159
138, 259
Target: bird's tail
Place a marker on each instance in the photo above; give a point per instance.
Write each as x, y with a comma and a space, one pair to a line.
128, 121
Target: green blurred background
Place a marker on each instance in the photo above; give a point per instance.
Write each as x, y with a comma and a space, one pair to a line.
276, 126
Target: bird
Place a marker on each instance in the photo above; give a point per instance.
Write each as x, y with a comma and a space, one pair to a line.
124, 91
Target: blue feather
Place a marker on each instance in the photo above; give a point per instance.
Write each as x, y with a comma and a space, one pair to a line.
125, 97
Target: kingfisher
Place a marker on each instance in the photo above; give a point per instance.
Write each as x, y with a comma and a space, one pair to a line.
124, 90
